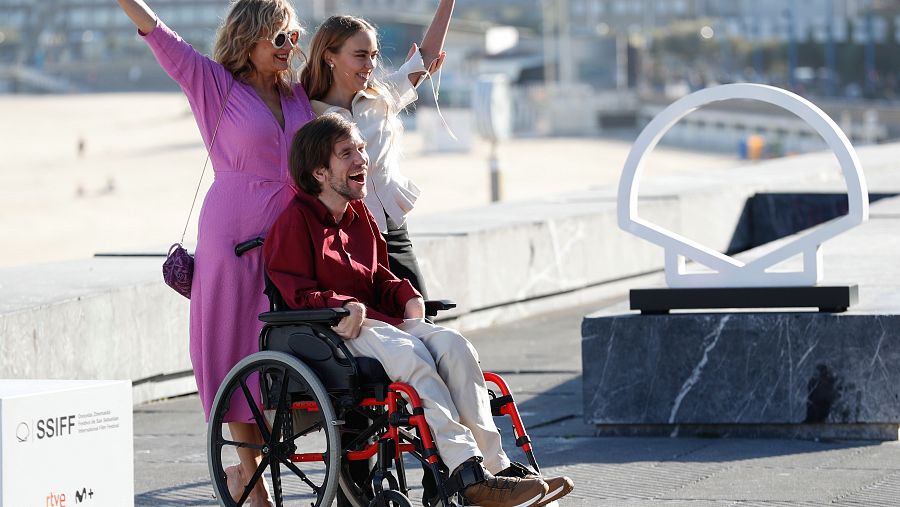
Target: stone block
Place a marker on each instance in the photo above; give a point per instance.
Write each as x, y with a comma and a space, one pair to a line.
109, 318
742, 368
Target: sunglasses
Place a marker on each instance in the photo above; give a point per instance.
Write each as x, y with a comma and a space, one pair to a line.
282, 38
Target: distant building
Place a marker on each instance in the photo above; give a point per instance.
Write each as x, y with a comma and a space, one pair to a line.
93, 44
785, 19
749, 19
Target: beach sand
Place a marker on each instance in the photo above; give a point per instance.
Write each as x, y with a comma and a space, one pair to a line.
129, 187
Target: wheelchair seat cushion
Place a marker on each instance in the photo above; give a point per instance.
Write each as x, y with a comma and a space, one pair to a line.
371, 371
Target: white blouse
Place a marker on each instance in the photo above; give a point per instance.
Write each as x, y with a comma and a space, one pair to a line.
389, 191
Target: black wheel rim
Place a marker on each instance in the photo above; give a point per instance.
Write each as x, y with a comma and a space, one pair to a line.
286, 433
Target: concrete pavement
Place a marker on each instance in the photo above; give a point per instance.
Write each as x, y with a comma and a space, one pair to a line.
540, 358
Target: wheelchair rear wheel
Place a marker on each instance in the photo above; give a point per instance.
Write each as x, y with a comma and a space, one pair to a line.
300, 451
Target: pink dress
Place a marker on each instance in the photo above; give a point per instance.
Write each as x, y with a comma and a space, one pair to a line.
252, 187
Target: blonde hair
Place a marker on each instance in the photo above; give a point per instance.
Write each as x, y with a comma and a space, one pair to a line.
316, 77
247, 22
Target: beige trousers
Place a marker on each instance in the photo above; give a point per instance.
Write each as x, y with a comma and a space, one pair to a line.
442, 366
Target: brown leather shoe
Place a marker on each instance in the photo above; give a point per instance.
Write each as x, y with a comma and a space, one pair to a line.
558, 487
506, 492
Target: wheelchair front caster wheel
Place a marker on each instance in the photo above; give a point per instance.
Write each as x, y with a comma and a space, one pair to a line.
390, 498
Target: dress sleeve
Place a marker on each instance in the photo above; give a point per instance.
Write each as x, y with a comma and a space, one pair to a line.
393, 293
403, 90
290, 264
204, 81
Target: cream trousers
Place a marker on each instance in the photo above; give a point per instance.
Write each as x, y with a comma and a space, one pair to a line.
442, 366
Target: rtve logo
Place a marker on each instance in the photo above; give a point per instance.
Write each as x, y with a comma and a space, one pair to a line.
54, 500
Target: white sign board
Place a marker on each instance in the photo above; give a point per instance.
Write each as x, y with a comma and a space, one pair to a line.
491, 101
66, 443
727, 271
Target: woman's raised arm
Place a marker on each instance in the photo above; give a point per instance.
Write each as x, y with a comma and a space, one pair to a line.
433, 43
141, 15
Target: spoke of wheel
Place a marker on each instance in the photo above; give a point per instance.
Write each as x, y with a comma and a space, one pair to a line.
299, 473
316, 426
275, 472
246, 494
257, 416
280, 410
242, 445
256, 477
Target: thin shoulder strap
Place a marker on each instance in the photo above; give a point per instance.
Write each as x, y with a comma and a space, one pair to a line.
211, 143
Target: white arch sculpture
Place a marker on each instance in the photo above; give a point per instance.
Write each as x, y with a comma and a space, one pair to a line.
727, 271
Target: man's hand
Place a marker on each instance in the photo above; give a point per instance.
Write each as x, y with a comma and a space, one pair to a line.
415, 309
348, 327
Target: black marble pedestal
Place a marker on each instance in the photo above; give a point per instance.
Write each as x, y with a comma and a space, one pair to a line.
794, 374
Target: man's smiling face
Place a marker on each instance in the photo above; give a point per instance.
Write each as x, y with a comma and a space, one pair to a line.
348, 168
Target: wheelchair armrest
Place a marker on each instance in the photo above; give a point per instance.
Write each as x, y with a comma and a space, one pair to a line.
321, 316
433, 306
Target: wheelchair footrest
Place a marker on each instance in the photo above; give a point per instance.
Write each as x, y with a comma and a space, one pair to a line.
470, 473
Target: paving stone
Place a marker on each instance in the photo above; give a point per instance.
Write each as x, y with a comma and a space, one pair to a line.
170, 447
884, 492
778, 484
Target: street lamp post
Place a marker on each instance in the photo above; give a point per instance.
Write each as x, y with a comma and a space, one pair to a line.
548, 29
564, 48
829, 50
870, 50
757, 45
792, 43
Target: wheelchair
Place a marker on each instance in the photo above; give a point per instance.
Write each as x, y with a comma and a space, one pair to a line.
332, 425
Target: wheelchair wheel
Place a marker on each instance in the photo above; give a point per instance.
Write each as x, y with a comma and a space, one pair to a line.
353, 494
300, 452
390, 498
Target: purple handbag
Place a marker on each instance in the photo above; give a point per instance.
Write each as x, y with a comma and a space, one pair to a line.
178, 268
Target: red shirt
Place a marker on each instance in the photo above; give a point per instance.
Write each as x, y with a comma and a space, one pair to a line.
317, 263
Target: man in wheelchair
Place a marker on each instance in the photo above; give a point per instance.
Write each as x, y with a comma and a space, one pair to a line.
326, 251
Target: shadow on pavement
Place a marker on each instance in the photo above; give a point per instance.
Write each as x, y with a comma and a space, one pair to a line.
192, 494
554, 419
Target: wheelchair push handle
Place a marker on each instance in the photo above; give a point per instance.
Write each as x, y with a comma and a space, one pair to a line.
246, 246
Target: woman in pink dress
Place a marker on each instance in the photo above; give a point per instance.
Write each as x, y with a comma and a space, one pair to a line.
246, 97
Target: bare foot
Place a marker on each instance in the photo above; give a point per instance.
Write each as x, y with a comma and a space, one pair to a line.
235, 480
259, 497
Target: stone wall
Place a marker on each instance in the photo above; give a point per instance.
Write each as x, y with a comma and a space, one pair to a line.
112, 318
